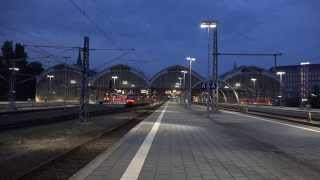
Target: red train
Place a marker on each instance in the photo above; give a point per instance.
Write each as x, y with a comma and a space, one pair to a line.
129, 100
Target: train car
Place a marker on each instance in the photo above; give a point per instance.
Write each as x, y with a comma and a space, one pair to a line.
257, 101
137, 100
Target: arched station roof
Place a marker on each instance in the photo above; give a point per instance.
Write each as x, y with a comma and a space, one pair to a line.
122, 71
170, 75
266, 83
253, 70
59, 68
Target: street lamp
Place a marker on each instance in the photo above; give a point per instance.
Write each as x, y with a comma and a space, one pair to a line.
191, 60
14, 69
184, 72
50, 77
12, 91
237, 85
114, 81
304, 63
72, 81
177, 85
280, 74
184, 77
208, 24
254, 85
180, 81
212, 25
304, 81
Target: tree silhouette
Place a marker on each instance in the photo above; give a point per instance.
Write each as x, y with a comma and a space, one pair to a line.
25, 77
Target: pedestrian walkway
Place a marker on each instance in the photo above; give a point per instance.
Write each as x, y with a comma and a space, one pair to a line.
177, 143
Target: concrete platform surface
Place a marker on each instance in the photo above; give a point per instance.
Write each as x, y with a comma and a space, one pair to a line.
177, 143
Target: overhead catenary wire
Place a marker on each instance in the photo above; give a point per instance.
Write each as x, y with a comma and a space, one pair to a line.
83, 12
113, 60
77, 47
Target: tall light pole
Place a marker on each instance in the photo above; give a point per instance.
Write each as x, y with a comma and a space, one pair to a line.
84, 93
50, 77
304, 81
65, 81
280, 74
180, 86
184, 85
114, 81
180, 82
254, 85
191, 60
12, 90
211, 26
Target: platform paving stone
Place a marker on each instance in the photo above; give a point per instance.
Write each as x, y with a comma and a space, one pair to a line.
190, 146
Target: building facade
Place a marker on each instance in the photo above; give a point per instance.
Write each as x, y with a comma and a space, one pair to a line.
300, 80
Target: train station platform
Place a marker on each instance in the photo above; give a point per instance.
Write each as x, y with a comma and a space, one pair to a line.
178, 143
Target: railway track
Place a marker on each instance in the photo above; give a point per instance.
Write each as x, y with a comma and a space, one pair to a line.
306, 117
30, 119
66, 164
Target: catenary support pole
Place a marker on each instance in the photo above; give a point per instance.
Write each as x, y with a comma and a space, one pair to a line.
84, 97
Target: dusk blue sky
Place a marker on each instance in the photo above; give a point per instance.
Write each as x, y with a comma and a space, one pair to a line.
164, 32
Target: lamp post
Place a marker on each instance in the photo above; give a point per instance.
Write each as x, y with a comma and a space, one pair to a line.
12, 91
304, 81
73, 87
180, 87
114, 81
191, 60
180, 81
280, 74
184, 84
254, 85
65, 81
50, 77
211, 26
237, 85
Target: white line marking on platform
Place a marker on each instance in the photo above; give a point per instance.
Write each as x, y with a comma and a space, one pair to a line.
136, 164
276, 122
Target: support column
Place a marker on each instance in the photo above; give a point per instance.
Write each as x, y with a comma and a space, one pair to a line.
84, 96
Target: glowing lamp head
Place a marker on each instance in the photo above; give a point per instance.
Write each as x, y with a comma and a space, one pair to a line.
304, 63
253, 79
14, 69
237, 84
190, 59
184, 72
208, 24
280, 73
50, 76
73, 81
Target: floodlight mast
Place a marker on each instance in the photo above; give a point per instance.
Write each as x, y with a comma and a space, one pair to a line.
191, 60
184, 72
212, 27
280, 74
